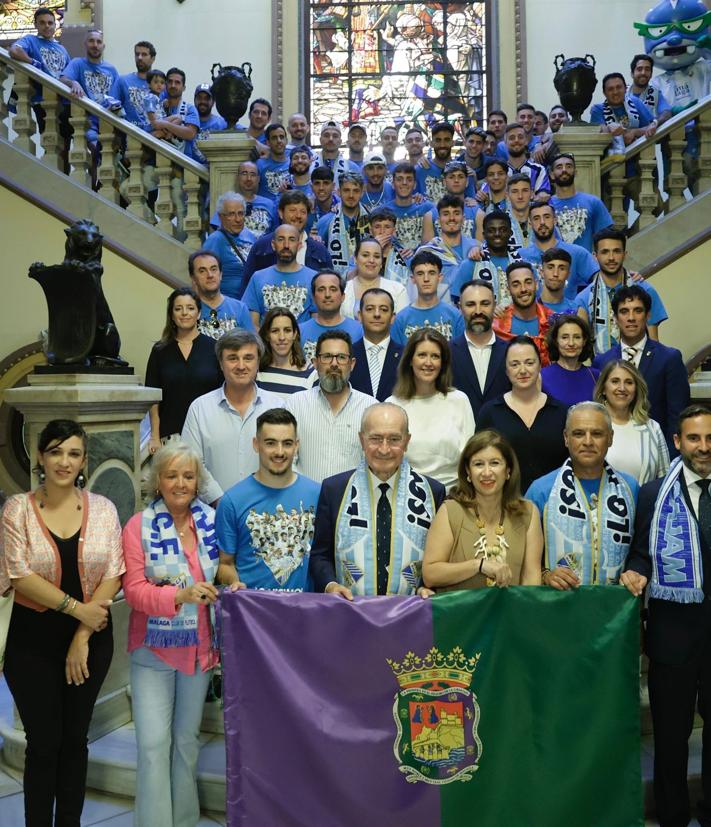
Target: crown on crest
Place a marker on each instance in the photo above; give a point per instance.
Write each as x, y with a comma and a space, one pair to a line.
450, 667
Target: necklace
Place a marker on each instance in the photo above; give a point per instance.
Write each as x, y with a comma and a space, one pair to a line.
41, 502
483, 549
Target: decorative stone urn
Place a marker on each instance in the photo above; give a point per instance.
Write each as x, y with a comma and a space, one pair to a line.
575, 82
231, 90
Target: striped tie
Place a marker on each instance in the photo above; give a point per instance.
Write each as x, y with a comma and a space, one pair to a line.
630, 353
374, 366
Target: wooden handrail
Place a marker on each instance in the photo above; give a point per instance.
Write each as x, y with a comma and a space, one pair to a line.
633, 150
129, 129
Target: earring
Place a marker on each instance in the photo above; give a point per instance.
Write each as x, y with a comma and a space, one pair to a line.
80, 481
469, 479
41, 476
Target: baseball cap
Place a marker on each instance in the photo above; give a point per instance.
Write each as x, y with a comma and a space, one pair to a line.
203, 87
330, 125
374, 158
357, 126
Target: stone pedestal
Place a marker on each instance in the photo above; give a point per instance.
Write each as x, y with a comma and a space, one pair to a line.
110, 407
224, 152
588, 144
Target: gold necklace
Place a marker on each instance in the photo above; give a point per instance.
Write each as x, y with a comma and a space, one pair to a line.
483, 549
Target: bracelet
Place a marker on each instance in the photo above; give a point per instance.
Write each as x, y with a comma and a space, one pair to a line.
70, 610
63, 605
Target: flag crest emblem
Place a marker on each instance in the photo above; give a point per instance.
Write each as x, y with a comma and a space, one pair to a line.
436, 717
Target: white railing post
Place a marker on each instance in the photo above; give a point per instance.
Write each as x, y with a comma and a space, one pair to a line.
134, 189
107, 174
52, 141
164, 203
676, 180
5, 73
704, 151
648, 199
23, 123
192, 223
79, 153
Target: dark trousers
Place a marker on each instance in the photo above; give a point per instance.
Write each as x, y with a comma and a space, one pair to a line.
673, 695
56, 719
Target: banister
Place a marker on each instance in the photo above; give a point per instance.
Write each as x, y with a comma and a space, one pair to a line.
669, 126
124, 126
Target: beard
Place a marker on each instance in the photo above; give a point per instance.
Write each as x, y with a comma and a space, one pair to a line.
563, 179
333, 382
479, 325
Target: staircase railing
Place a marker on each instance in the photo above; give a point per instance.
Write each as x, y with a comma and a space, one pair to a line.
127, 153
676, 166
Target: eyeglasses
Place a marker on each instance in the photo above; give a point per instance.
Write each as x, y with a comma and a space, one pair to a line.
233, 213
341, 358
691, 26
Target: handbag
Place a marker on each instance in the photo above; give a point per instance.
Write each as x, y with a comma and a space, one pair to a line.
6, 604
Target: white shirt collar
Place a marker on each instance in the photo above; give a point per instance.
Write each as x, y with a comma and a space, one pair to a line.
492, 341
368, 344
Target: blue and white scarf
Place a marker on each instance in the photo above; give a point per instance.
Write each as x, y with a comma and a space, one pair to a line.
488, 271
674, 544
395, 267
592, 540
605, 329
356, 555
166, 564
343, 236
630, 121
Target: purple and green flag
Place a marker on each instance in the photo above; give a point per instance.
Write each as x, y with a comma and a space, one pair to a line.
495, 708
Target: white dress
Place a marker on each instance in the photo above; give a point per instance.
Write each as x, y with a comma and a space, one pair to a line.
350, 306
440, 427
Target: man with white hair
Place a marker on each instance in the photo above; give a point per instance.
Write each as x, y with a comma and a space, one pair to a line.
232, 242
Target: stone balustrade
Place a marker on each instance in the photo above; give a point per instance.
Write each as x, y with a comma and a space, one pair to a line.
678, 169
130, 161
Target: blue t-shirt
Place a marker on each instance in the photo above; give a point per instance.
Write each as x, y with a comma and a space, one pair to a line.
409, 222
373, 200
273, 288
230, 314
524, 327
580, 217
311, 330
52, 57
444, 318
272, 174
582, 267
597, 115
470, 269
130, 91
430, 182
190, 117
269, 531
213, 123
657, 313
559, 308
232, 264
96, 79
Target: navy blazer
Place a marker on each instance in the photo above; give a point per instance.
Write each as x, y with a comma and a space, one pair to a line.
322, 561
667, 381
262, 256
676, 632
360, 377
465, 378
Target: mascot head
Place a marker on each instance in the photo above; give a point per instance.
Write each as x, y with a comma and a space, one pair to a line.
677, 33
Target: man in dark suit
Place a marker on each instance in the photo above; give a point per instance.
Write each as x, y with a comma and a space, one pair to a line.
343, 560
678, 635
376, 354
662, 367
294, 209
478, 364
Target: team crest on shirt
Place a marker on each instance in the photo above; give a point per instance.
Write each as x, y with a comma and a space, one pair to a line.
571, 223
409, 230
436, 717
258, 220
434, 188
136, 95
445, 328
282, 539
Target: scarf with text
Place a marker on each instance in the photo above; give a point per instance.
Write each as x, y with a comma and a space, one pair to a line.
630, 120
674, 544
343, 236
593, 540
412, 514
166, 564
606, 332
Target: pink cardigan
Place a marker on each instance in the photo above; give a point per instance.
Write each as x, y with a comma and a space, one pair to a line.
147, 599
27, 547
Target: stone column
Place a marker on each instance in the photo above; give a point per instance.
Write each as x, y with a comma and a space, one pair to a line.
110, 407
224, 152
588, 144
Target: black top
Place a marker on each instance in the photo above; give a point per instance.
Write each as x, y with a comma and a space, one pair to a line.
182, 380
539, 448
50, 632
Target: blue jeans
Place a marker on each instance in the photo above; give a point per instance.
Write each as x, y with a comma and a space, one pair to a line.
167, 710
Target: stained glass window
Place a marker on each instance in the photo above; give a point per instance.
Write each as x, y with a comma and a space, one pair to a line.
16, 16
396, 63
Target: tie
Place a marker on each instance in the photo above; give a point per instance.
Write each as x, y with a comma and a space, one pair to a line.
383, 519
374, 366
705, 510
630, 353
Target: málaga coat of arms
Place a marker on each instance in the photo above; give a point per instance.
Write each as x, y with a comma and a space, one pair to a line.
436, 716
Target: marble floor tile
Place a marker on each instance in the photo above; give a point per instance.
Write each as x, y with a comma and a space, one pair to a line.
99, 807
8, 785
13, 810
